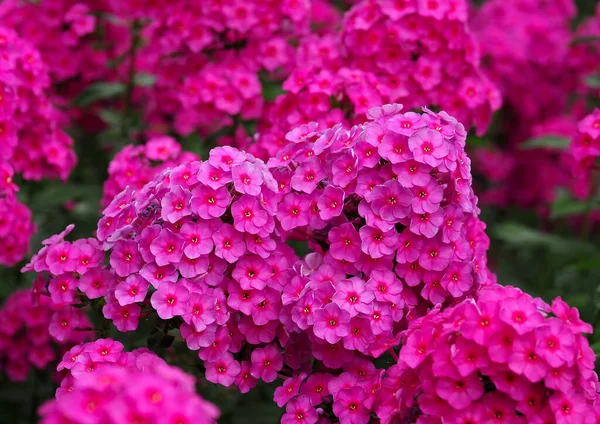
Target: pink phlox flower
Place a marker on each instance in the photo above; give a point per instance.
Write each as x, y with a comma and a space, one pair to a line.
248, 215
176, 204
345, 243
229, 243
331, 323
167, 247
377, 243
170, 300
266, 362
428, 147
353, 296
247, 178
391, 201
525, 361
209, 202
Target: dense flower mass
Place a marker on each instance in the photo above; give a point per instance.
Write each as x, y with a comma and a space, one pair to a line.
389, 210
545, 169
411, 52
387, 205
197, 243
209, 58
107, 385
525, 46
422, 52
32, 145
16, 229
134, 166
62, 31
25, 340
501, 357
531, 52
329, 245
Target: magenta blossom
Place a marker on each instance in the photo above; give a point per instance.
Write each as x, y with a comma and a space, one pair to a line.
331, 323
428, 147
170, 300
247, 178
163, 392
448, 356
345, 243
248, 215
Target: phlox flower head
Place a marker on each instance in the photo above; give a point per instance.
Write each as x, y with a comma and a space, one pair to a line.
28, 341
16, 228
34, 147
388, 226
391, 231
134, 166
110, 375
194, 248
501, 354
413, 52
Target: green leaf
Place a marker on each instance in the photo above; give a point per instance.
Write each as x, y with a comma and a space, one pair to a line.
565, 205
99, 91
144, 80
478, 141
518, 235
300, 247
587, 264
249, 127
596, 348
593, 81
585, 39
58, 193
196, 144
547, 142
111, 117
270, 91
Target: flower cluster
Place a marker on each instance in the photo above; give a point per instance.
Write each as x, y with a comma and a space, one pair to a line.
67, 263
544, 169
198, 244
207, 58
389, 210
585, 149
525, 45
501, 357
530, 52
411, 52
432, 45
61, 30
32, 142
134, 166
106, 384
16, 228
24, 338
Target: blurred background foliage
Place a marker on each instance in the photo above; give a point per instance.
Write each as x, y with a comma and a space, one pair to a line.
547, 257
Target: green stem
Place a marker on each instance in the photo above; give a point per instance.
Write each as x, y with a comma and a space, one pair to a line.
587, 222
586, 226
35, 400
